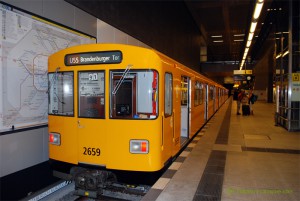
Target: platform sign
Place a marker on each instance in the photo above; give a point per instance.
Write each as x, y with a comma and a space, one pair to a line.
295, 87
242, 72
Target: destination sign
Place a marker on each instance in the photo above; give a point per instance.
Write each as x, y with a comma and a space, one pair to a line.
88, 58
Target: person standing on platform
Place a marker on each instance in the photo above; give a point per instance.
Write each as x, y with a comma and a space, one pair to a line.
239, 100
252, 100
245, 104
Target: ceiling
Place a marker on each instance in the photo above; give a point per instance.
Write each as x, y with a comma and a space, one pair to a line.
224, 18
227, 18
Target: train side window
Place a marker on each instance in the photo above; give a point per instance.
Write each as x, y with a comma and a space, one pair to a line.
91, 98
198, 96
211, 93
168, 94
133, 94
61, 96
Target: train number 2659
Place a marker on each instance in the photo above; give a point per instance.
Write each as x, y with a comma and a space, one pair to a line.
91, 151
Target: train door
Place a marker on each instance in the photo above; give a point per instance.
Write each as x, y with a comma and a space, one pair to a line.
168, 117
91, 108
214, 98
185, 109
219, 97
206, 102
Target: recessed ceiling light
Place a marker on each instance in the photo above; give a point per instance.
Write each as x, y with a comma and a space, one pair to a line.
236, 35
218, 41
217, 36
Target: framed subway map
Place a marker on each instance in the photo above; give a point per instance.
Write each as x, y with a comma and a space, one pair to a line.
26, 42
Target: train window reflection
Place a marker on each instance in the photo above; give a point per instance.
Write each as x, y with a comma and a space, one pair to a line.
61, 97
198, 97
168, 94
133, 94
91, 94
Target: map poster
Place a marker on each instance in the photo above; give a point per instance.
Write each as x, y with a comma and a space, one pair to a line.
26, 42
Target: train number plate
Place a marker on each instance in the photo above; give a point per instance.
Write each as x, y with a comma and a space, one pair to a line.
91, 151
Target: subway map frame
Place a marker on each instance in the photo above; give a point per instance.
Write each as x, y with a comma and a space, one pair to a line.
26, 42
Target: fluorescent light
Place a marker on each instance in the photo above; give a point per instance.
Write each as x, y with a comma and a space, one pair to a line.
248, 43
250, 37
258, 8
242, 64
239, 35
279, 55
238, 40
285, 53
218, 41
253, 26
284, 32
217, 36
257, 11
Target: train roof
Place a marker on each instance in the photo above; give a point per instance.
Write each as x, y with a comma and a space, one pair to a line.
141, 50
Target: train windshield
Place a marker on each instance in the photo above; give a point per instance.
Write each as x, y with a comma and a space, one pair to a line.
134, 94
91, 94
61, 98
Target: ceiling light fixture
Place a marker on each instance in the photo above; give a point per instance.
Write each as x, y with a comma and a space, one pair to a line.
285, 53
278, 56
218, 41
253, 26
217, 36
236, 35
258, 8
248, 43
250, 36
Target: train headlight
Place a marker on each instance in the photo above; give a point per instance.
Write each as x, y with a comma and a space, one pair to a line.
54, 138
139, 146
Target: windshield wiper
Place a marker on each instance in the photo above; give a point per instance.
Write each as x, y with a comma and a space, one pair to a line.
121, 80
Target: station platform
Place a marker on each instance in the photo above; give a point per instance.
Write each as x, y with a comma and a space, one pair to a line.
236, 158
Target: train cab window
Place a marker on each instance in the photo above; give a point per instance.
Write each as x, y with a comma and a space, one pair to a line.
133, 94
168, 94
91, 98
61, 96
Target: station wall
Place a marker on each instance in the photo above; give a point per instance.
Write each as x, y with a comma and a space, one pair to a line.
23, 149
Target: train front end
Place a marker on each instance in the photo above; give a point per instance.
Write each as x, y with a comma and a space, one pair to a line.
104, 109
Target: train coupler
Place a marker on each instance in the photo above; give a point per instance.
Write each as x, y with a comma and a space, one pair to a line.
90, 183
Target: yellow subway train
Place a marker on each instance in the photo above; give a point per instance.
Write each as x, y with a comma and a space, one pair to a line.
122, 107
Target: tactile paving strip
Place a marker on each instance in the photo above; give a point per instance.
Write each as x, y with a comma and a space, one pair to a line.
158, 187
211, 183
